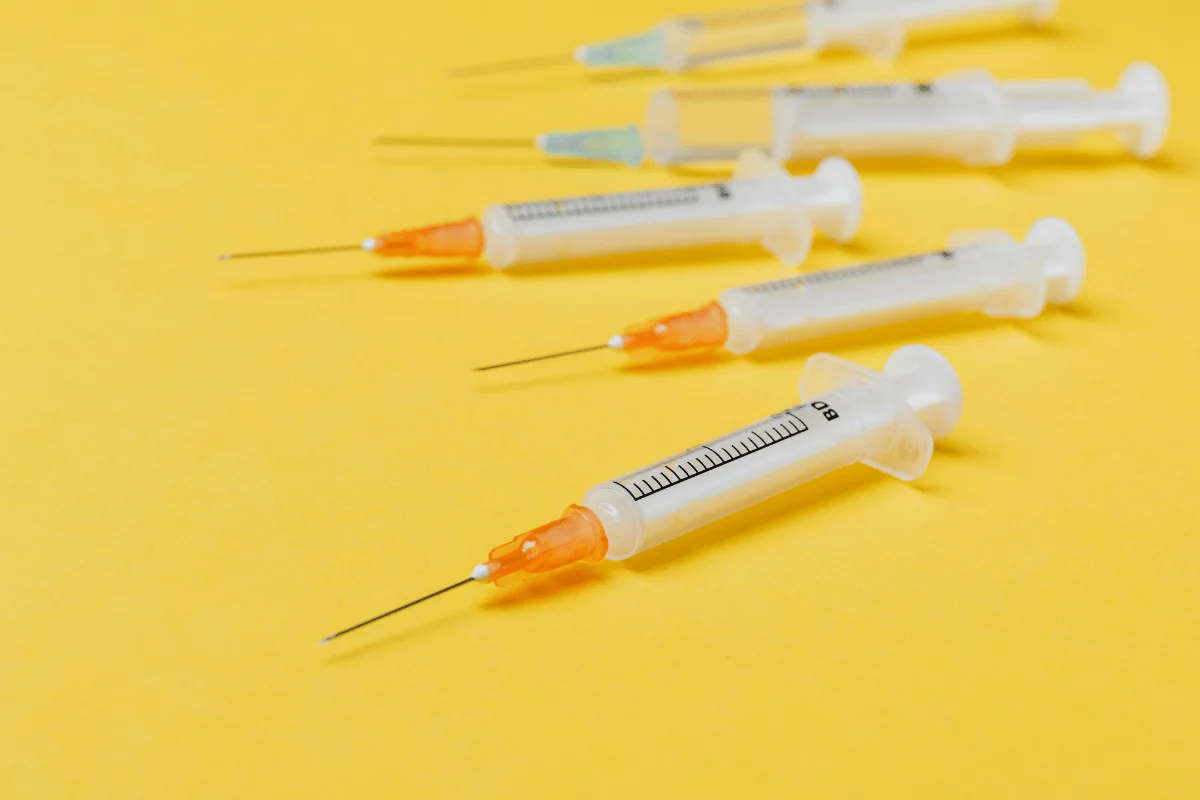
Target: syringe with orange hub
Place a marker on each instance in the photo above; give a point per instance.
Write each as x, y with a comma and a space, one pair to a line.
763, 203
849, 414
978, 271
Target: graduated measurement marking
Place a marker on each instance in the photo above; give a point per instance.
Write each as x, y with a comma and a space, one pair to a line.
612, 203
858, 90
707, 457
834, 275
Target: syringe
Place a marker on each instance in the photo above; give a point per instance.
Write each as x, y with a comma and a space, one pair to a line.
875, 27
763, 204
980, 271
849, 414
969, 116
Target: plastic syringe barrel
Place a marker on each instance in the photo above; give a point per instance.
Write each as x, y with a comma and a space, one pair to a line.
876, 27
763, 204
849, 414
963, 116
969, 116
986, 272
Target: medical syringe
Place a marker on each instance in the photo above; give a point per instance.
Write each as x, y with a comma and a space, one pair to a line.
763, 203
969, 116
980, 271
849, 414
874, 27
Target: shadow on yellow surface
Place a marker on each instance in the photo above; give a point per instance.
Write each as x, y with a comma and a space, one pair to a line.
837, 487
1036, 161
923, 330
548, 586
654, 259
622, 262
840, 486
533, 159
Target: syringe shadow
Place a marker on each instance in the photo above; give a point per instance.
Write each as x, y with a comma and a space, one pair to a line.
694, 359
1023, 164
536, 589
710, 255
563, 77
496, 386
415, 269
1037, 162
1003, 28
1034, 162
474, 161
927, 331
699, 359
460, 269
792, 505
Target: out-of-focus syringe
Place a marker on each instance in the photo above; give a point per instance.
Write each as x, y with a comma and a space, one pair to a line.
762, 204
849, 414
875, 27
969, 116
981, 271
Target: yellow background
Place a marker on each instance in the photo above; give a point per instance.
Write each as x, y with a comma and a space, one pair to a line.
208, 466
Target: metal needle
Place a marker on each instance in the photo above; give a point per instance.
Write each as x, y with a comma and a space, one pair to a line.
543, 358
451, 141
340, 248
333, 636
514, 64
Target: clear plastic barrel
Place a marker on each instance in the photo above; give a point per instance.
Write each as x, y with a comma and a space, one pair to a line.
986, 272
708, 124
850, 414
699, 40
969, 116
963, 116
762, 204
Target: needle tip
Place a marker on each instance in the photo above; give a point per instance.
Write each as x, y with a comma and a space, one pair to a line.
593, 348
325, 641
410, 604
223, 257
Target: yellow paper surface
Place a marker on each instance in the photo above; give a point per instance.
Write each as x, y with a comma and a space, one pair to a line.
209, 466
